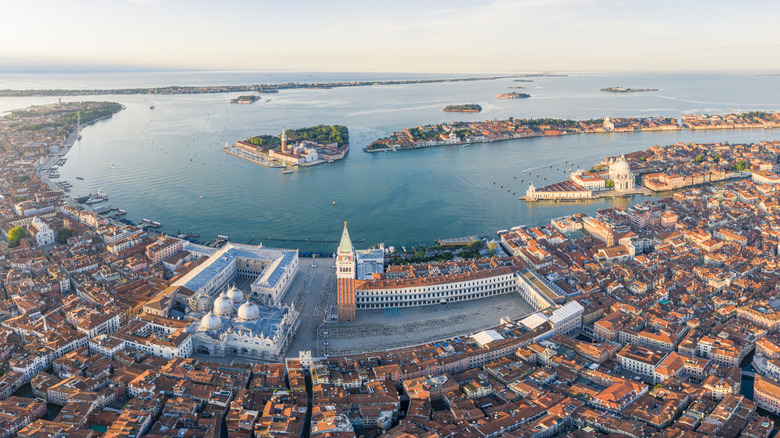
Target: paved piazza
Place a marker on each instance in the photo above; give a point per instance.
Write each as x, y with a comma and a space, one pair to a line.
314, 289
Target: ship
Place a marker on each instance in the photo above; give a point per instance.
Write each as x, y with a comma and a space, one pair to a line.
97, 197
146, 223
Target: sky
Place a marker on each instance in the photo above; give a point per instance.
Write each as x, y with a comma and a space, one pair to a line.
476, 36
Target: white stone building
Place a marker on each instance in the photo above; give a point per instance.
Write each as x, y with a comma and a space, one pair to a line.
43, 234
237, 326
272, 270
620, 174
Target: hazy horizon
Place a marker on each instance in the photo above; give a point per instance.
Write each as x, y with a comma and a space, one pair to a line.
456, 36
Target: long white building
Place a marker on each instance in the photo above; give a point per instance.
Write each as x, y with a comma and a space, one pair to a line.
422, 285
272, 269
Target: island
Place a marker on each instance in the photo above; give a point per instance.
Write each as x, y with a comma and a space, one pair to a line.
513, 95
465, 133
295, 147
245, 99
465, 108
260, 88
627, 90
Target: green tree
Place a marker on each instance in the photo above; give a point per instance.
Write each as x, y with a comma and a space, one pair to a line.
15, 235
64, 234
492, 246
609, 184
740, 165
699, 158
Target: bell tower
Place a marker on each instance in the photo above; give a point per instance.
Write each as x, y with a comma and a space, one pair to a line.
345, 278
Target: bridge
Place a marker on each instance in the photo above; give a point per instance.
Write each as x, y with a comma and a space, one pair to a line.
746, 373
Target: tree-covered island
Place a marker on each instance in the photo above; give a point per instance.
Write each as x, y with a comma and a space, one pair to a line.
250, 98
627, 90
320, 134
303, 146
464, 108
513, 95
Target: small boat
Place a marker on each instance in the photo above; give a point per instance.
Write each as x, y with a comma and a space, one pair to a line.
97, 197
151, 107
80, 178
334, 202
287, 171
201, 196
156, 224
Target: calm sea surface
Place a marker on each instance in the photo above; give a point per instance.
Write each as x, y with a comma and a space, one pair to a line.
157, 164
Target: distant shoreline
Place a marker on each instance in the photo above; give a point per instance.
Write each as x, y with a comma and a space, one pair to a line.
627, 90
260, 88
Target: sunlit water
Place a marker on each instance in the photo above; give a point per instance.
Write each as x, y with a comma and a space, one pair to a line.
157, 164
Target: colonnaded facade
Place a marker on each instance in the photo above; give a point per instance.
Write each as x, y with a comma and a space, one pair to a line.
361, 285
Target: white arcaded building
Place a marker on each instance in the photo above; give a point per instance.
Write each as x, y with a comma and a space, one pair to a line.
272, 270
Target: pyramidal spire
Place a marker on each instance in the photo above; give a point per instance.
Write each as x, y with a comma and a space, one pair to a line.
346, 243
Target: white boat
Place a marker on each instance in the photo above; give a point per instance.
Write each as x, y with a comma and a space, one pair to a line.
97, 197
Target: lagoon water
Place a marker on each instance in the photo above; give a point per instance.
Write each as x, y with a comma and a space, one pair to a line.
157, 164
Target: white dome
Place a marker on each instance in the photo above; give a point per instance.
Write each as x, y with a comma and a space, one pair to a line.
223, 306
620, 167
210, 321
248, 312
236, 295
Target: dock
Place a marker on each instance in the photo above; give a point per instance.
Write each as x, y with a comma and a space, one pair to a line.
255, 159
458, 241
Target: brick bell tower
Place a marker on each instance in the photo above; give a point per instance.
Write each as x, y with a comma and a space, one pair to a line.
345, 278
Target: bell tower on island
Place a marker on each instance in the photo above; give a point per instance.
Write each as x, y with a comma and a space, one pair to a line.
345, 278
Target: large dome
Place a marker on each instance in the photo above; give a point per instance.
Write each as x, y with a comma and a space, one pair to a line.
210, 321
223, 306
248, 312
236, 295
620, 167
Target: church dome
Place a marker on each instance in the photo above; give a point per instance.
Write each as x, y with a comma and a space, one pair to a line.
620, 167
210, 321
236, 295
223, 306
200, 302
249, 312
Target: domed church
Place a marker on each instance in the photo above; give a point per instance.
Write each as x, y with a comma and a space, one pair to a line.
234, 325
620, 174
